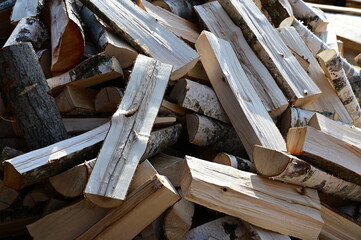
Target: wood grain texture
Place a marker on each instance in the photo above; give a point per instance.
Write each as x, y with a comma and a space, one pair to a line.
26, 8
145, 34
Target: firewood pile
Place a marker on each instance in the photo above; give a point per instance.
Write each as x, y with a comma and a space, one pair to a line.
194, 119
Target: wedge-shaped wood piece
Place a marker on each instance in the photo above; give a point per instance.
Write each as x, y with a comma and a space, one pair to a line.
108, 99
264, 203
67, 36
26, 8
7, 4
263, 234
328, 101
335, 156
272, 51
218, 22
238, 97
106, 40
338, 226
181, 27
127, 138
198, 98
79, 217
145, 34
95, 70
290, 169
168, 166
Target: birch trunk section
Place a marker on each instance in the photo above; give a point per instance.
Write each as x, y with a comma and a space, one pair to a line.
272, 52
218, 22
145, 34
127, 138
264, 203
26, 8
240, 101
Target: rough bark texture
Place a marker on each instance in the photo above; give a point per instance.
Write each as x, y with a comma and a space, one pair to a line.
183, 8
24, 87
276, 11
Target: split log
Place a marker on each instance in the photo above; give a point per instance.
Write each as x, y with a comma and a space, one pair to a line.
8, 196
333, 155
338, 226
181, 27
315, 44
95, 70
329, 100
206, 132
29, 29
273, 52
76, 101
198, 98
235, 162
79, 217
238, 97
26, 8
222, 228
178, 219
198, 74
264, 203
168, 166
263, 234
67, 36
106, 40
164, 121
44, 57
183, 9
108, 99
336, 9
218, 22
145, 34
7, 153
75, 126
25, 88
172, 108
284, 167
126, 141
153, 231
329, 37
331, 63
275, 10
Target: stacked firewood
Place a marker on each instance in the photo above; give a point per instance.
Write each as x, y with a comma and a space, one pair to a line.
164, 119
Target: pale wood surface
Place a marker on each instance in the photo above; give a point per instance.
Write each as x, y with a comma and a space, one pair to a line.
337, 9
127, 138
263, 234
265, 203
168, 166
169, 107
108, 99
26, 8
75, 125
145, 34
238, 97
218, 22
235, 162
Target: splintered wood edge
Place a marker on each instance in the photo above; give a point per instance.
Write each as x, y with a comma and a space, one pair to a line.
182, 71
104, 202
12, 178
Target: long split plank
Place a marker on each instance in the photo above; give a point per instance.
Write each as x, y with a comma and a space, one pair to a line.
127, 138
145, 34
237, 96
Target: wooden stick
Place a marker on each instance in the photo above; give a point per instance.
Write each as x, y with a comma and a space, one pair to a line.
218, 22
26, 8
261, 202
330, 61
235, 162
151, 38
337, 9
239, 99
275, 10
126, 141
290, 169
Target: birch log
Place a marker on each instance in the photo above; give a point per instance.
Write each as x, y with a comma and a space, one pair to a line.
145, 34
235, 162
272, 52
238, 97
218, 22
284, 167
328, 101
127, 138
26, 8
8, 196
29, 29
331, 63
264, 203
108, 99
276, 10
183, 8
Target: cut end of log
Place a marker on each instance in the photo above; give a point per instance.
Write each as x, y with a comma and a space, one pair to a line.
287, 22
102, 201
180, 72
12, 178
192, 127
296, 140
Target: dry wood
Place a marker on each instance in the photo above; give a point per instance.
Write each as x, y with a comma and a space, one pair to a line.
183, 9
108, 99
67, 37
218, 22
26, 8
171, 108
198, 98
8, 196
35, 196
44, 56
181, 27
329, 100
97, 69
337, 9
290, 169
197, 73
238, 97
29, 29
338, 226
164, 121
25, 88
272, 52
168, 166
264, 203
263, 234
331, 63
127, 138
333, 155
145, 34
106, 40
74, 125
329, 37
235, 162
